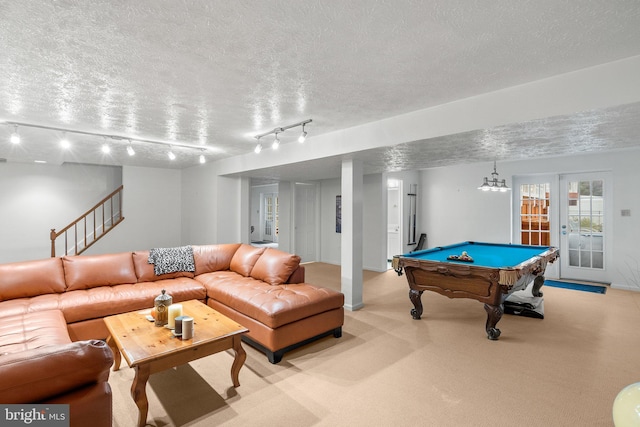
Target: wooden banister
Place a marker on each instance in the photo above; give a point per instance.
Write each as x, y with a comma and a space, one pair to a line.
100, 227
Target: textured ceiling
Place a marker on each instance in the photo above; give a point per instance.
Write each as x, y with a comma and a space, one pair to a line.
212, 73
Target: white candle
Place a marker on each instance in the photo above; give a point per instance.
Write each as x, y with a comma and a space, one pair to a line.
187, 327
175, 310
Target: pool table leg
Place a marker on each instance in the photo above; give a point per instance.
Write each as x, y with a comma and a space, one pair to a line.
416, 299
494, 314
537, 284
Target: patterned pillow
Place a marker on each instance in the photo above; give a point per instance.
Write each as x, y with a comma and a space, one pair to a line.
170, 260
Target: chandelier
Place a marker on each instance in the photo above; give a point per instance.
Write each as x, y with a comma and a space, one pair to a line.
494, 184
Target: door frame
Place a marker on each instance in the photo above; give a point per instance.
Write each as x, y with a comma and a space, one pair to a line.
553, 269
400, 224
578, 273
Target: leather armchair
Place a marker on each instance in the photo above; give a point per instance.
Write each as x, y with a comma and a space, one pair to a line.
73, 373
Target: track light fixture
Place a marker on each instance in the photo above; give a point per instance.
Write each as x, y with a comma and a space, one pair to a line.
171, 155
105, 147
276, 131
65, 143
15, 136
201, 159
303, 135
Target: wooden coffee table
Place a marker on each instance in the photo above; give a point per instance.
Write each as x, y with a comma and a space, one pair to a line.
149, 349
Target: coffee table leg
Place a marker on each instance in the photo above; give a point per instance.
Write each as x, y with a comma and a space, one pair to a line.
139, 393
238, 360
116, 353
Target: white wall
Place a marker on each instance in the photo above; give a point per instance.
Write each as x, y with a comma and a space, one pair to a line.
152, 210
229, 201
453, 210
199, 205
374, 226
374, 222
34, 198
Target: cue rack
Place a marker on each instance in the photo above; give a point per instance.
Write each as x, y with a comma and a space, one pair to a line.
413, 194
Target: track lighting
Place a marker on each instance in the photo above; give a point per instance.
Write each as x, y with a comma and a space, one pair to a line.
15, 136
65, 143
276, 131
202, 159
303, 135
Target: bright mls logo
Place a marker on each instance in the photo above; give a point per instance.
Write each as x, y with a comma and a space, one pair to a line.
34, 415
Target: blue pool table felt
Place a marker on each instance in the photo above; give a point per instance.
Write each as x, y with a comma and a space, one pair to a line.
490, 255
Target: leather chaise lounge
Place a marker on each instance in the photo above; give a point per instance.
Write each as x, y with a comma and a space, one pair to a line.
51, 311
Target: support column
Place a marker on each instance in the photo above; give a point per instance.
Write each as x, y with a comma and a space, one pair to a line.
351, 239
245, 206
285, 200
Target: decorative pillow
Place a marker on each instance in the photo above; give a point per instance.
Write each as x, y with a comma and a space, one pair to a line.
275, 266
31, 278
172, 260
85, 272
245, 258
145, 271
210, 258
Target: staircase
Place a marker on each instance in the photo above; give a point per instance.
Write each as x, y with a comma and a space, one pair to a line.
90, 227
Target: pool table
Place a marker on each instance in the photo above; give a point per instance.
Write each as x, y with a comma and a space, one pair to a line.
487, 272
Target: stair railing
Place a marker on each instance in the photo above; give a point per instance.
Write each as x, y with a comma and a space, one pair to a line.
91, 226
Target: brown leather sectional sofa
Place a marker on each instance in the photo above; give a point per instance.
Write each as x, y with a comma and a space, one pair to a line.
51, 315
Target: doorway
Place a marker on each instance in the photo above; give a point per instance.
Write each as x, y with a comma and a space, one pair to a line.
394, 218
585, 224
270, 223
571, 212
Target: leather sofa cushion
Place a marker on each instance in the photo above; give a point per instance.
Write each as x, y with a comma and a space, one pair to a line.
20, 306
146, 272
37, 374
85, 272
95, 303
245, 258
274, 306
275, 266
31, 278
29, 331
105, 301
210, 258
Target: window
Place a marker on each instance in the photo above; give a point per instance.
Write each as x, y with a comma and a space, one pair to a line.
534, 214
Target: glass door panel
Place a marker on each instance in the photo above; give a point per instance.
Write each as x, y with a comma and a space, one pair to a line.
584, 231
534, 214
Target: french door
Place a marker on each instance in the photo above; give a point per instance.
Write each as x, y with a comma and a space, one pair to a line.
270, 209
571, 212
585, 226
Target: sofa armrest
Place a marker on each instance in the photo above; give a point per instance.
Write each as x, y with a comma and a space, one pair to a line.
34, 375
297, 276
